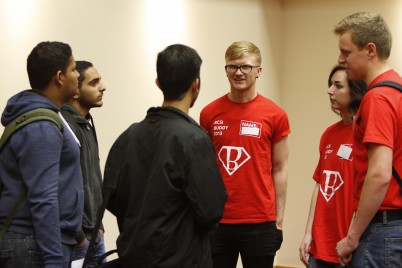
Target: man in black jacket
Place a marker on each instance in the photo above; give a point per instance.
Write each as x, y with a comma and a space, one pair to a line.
76, 112
170, 192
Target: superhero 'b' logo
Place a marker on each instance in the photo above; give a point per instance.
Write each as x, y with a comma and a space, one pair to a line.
333, 181
233, 158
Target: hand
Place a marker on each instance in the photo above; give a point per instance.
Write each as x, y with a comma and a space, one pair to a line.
82, 243
345, 248
303, 250
278, 224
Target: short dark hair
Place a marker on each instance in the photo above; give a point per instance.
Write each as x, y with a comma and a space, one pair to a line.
45, 60
81, 67
177, 66
357, 89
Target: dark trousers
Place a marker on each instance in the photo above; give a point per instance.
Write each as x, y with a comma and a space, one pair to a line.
256, 243
21, 251
97, 252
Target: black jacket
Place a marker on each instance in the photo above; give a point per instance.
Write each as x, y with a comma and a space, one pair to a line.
90, 166
170, 192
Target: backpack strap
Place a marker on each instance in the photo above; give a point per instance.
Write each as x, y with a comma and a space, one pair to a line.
27, 118
397, 86
396, 176
387, 83
11, 215
19, 122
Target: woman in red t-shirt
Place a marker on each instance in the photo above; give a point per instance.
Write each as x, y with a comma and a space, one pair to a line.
331, 202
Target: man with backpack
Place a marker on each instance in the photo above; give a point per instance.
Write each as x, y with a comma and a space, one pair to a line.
375, 234
40, 176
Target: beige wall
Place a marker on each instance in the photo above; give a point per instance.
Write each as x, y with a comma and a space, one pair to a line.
123, 37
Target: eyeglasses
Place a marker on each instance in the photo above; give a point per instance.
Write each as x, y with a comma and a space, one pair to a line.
243, 68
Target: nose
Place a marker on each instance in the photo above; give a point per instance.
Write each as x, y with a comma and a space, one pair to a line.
341, 59
101, 86
238, 71
330, 90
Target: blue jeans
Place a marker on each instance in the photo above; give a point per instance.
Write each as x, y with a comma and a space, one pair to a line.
21, 251
257, 244
314, 263
379, 246
97, 251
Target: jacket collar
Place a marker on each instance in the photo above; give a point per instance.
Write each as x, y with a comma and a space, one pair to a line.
170, 111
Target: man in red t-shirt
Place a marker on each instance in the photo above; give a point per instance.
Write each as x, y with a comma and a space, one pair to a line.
249, 133
375, 234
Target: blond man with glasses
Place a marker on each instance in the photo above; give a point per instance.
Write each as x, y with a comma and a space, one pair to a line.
249, 133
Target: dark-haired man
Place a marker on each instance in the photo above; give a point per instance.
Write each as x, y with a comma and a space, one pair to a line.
42, 163
76, 112
170, 192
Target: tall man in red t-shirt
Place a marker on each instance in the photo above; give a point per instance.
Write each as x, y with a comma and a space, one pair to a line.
249, 133
375, 234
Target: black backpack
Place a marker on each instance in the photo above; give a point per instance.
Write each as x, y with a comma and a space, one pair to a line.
398, 87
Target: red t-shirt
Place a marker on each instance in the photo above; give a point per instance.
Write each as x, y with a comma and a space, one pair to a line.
334, 174
379, 120
243, 134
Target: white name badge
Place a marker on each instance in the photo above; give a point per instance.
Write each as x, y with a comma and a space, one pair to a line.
344, 152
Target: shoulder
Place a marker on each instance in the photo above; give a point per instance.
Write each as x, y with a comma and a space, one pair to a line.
387, 82
269, 104
334, 126
66, 109
70, 111
185, 127
68, 114
331, 130
217, 102
38, 133
338, 130
380, 98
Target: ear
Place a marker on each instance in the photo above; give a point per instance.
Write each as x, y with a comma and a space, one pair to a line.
157, 83
259, 71
59, 78
371, 50
196, 84
195, 87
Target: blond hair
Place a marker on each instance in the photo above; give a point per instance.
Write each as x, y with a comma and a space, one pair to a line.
367, 28
242, 48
